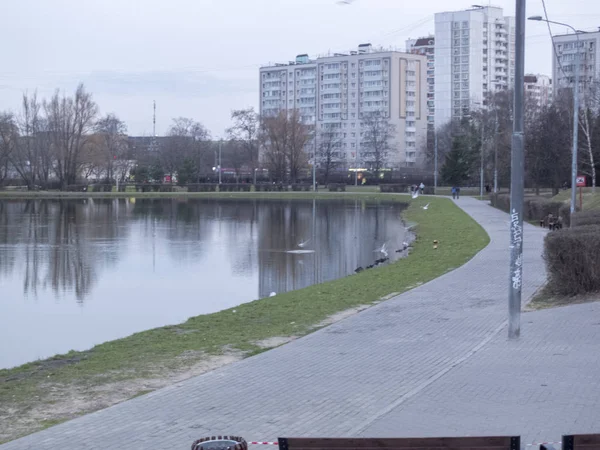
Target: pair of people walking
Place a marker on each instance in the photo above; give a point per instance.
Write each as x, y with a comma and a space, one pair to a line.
455, 192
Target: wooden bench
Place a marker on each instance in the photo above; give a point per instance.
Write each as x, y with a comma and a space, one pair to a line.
455, 443
579, 442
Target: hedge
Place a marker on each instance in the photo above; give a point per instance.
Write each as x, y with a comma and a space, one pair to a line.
535, 208
572, 258
393, 188
335, 187
584, 218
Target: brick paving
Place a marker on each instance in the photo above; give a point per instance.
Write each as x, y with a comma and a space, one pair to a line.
432, 361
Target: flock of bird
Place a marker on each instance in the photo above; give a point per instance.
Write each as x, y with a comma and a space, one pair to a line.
383, 249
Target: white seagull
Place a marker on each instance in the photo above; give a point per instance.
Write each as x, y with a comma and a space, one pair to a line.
382, 250
426, 206
303, 244
415, 194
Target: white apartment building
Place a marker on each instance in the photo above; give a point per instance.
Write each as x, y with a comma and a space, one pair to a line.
474, 55
563, 66
426, 46
333, 93
539, 90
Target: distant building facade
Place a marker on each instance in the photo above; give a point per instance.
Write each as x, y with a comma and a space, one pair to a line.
539, 90
335, 92
563, 68
474, 56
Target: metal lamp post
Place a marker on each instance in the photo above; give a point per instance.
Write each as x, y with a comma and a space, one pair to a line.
575, 109
220, 167
517, 182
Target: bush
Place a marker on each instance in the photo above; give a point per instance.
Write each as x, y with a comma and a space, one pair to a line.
202, 187
535, 208
77, 188
584, 218
301, 187
393, 188
572, 256
335, 187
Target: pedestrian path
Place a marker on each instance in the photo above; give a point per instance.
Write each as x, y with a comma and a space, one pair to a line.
363, 375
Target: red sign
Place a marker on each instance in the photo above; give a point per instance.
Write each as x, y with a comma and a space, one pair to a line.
580, 181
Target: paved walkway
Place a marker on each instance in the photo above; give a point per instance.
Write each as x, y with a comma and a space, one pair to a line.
432, 361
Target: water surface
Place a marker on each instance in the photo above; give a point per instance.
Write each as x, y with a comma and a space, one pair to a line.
75, 273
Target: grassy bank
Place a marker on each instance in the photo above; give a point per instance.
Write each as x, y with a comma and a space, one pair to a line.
591, 199
20, 195
49, 391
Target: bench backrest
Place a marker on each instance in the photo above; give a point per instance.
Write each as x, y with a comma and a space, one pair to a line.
581, 442
455, 443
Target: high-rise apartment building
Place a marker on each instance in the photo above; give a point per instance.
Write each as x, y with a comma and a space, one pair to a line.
538, 90
426, 46
474, 56
336, 93
563, 58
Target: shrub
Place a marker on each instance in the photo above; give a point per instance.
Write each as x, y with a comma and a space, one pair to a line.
584, 218
202, 187
572, 256
393, 188
535, 208
301, 187
335, 187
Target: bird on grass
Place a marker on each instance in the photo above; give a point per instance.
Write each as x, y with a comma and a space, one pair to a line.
426, 207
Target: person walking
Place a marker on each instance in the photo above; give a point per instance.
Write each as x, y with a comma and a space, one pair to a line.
457, 192
422, 187
454, 192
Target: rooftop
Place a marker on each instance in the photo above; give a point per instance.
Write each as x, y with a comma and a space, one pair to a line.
363, 49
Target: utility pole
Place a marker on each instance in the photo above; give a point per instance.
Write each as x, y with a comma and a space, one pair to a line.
575, 129
496, 153
575, 108
220, 169
482, 150
435, 161
314, 171
517, 181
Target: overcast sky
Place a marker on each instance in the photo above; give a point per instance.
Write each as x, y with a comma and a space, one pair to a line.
200, 58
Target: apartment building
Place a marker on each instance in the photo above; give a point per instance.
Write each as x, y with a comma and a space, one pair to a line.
426, 46
563, 58
474, 56
538, 90
333, 93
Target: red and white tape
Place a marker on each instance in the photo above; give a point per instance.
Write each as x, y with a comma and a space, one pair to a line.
543, 443
263, 443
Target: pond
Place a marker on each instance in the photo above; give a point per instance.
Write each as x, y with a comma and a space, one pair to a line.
76, 273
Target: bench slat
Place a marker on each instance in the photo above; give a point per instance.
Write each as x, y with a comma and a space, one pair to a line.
458, 443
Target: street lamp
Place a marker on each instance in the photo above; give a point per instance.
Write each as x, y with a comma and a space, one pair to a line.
575, 107
517, 182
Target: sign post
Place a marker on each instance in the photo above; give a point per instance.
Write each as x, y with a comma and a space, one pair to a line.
581, 183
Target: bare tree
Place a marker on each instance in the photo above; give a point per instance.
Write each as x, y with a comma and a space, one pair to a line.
547, 137
299, 138
329, 154
70, 121
284, 139
245, 131
8, 137
587, 118
28, 158
185, 145
377, 136
113, 150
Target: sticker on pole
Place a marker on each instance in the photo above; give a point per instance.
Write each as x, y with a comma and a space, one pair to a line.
580, 181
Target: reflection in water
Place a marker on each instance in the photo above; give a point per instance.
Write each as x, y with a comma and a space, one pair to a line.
74, 273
